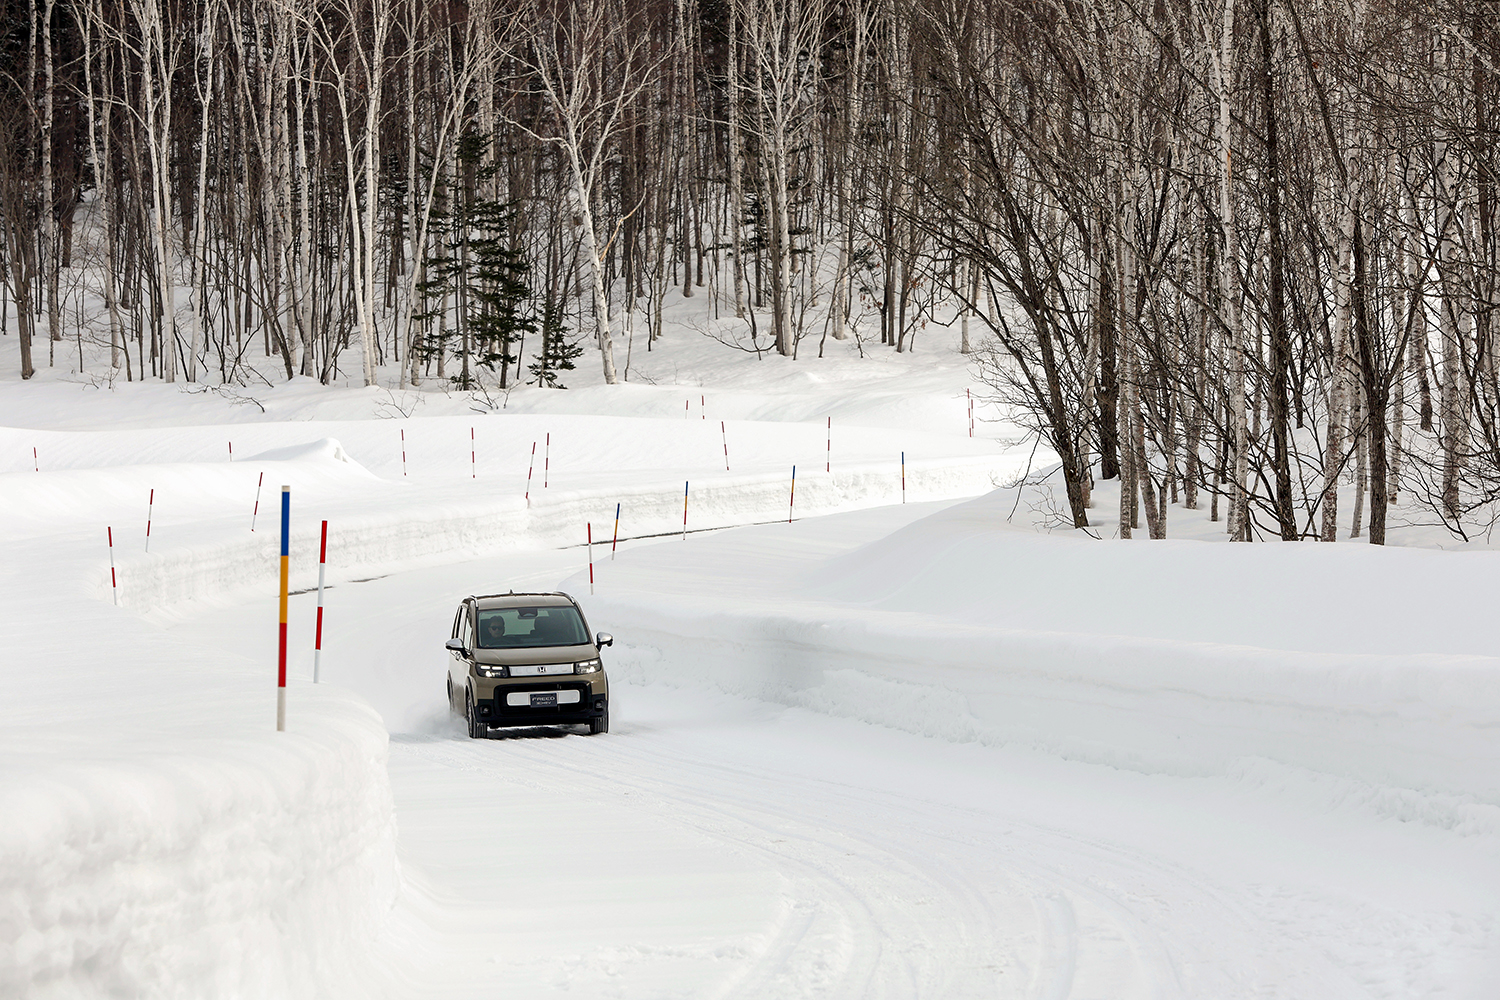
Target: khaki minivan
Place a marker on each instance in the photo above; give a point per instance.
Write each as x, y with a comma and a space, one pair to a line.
526, 660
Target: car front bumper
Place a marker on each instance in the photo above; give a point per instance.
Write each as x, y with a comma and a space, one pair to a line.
577, 701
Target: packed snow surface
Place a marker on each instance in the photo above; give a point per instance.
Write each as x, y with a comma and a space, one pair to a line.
912, 742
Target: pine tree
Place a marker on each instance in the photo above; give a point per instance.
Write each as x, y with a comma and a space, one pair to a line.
558, 351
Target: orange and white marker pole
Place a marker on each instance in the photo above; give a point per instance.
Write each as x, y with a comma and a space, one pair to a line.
616, 540
792, 499
591, 558
150, 502
114, 586
286, 529
529, 469
725, 435
318, 630
684, 510
256, 511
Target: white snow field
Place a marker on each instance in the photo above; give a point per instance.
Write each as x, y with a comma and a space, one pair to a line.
921, 749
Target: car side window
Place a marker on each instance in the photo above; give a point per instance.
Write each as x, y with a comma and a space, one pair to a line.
468, 628
458, 623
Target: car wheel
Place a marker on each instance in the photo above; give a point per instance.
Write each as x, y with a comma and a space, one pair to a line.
477, 730
599, 725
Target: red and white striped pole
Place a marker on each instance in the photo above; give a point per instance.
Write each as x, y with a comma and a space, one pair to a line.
725, 435
403, 452
473, 463
791, 502
828, 459
231, 451
318, 631
687, 409
684, 510
970, 394
286, 528
256, 512
903, 477
547, 460
616, 540
150, 502
36, 463
702, 407
591, 558
528, 473
113, 585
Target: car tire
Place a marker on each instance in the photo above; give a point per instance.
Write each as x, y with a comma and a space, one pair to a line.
599, 725
477, 730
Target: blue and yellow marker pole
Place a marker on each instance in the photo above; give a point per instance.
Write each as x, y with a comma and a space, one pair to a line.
286, 530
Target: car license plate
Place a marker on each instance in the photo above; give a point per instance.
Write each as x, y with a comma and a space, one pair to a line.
544, 700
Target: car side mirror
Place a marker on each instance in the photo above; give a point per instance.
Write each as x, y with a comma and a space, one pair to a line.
604, 639
457, 646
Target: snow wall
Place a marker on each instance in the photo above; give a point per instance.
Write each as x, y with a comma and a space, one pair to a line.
1362, 677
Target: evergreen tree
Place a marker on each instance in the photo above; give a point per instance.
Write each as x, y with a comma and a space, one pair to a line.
557, 351
485, 276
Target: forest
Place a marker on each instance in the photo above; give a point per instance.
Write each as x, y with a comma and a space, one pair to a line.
1233, 253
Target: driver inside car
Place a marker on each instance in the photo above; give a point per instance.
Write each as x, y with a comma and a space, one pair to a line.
494, 631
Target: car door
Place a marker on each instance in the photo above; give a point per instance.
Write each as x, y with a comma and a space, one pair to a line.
458, 666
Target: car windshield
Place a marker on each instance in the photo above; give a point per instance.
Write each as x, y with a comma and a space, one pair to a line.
522, 628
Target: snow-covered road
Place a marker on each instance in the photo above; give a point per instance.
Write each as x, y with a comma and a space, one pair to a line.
714, 845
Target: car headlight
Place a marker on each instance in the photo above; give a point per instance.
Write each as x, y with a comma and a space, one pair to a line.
484, 671
587, 666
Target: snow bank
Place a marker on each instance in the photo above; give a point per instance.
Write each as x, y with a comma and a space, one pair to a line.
258, 866
375, 528
957, 629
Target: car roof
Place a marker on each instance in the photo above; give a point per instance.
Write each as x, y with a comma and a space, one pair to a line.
487, 602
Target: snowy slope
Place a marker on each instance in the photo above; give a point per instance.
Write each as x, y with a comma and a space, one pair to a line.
885, 750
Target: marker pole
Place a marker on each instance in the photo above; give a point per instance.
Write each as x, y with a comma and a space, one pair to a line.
725, 435
114, 586
687, 409
150, 502
616, 540
231, 451
792, 500
828, 459
528, 473
684, 510
36, 463
318, 632
969, 393
547, 460
256, 512
286, 528
473, 465
403, 452
903, 477
702, 407
591, 558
